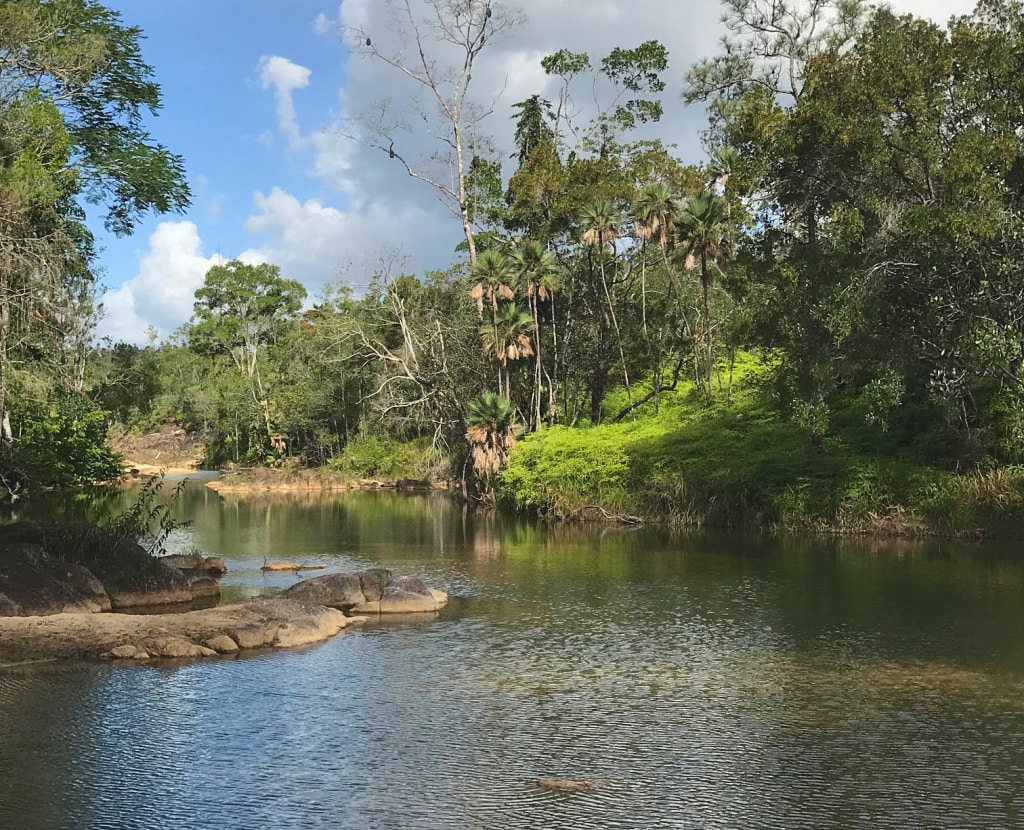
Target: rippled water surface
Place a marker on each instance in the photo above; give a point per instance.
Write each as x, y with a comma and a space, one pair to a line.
719, 681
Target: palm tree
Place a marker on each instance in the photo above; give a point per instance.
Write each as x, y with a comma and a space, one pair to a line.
537, 270
653, 217
490, 422
601, 223
493, 276
724, 164
508, 341
703, 232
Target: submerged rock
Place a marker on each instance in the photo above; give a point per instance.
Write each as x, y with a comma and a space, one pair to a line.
566, 785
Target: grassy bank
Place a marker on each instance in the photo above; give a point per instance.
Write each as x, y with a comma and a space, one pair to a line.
743, 464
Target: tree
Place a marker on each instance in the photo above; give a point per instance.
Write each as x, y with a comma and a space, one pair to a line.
705, 239
73, 93
493, 277
533, 126
238, 312
537, 270
601, 227
412, 47
508, 341
490, 432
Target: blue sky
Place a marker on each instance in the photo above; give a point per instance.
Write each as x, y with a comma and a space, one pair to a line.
217, 114
254, 96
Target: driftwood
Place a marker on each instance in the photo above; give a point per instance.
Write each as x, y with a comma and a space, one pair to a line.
290, 566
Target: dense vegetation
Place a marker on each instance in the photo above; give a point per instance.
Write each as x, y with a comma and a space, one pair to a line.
823, 325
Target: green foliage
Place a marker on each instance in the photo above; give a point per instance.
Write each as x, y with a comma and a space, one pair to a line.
149, 520
62, 446
377, 456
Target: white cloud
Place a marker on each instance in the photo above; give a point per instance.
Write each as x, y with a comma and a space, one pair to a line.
162, 293
284, 77
313, 242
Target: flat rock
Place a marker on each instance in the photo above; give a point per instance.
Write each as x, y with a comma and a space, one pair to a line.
395, 600
275, 623
212, 565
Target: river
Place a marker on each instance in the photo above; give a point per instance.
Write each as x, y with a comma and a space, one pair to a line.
708, 681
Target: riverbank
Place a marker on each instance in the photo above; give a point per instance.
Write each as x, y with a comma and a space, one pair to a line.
743, 464
322, 479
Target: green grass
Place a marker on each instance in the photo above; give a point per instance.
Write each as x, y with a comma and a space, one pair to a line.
743, 464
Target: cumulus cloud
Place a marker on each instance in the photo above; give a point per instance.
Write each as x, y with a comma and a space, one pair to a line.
162, 293
315, 243
284, 77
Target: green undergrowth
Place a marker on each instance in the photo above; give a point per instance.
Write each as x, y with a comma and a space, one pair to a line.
377, 456
743, 464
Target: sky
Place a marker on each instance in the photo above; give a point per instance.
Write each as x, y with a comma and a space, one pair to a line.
256, 98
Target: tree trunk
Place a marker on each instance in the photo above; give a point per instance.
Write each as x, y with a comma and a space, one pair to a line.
537, 372
597, 389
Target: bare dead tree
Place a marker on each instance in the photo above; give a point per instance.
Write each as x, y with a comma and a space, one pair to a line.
434, 45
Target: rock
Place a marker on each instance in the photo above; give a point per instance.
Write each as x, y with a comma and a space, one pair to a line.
253, 624
410, 584
332, 590
130, 577
33, 582
373, 581
203, 587
566, 785
256, 635
222, 644
396, 600
178, 647
212, 565
125, 652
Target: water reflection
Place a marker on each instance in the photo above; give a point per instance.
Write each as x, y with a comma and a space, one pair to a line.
704, 681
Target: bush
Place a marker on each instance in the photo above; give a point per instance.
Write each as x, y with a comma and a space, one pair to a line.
63, 446
378, 456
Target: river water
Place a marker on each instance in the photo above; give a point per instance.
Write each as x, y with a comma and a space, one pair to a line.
713, 681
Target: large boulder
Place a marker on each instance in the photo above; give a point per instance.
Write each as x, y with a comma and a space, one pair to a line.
373, 581
406, 595
372, 591
333, 590
35, 583
131, 577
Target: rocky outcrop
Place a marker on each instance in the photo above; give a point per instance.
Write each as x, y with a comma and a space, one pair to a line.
33, 583
373, 591
52, 569
262, 623
210, 565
